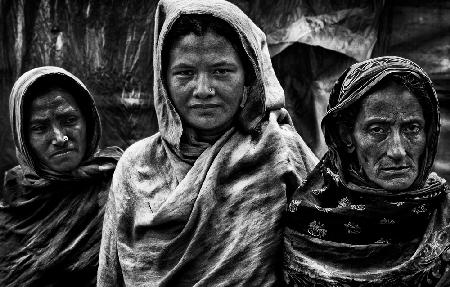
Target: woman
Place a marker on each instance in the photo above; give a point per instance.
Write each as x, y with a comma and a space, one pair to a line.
371, 213
52, 205
200, 202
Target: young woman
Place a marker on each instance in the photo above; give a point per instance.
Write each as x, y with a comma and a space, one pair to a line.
200, 202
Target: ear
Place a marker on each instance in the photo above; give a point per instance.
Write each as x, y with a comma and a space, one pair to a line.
345, 134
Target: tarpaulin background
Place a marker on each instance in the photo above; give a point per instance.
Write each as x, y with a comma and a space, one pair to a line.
108, 45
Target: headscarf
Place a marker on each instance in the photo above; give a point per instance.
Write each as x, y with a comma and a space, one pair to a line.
50, 222
266, 93
215, 219
30, 167
357, 82
342, 229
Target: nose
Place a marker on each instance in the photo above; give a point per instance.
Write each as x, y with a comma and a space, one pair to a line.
58, 136
203, 88
396, 148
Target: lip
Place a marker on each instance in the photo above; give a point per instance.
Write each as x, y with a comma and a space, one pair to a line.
204, 106
396, 169
62, 152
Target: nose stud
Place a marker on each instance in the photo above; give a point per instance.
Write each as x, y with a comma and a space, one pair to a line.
65, 138
211, 90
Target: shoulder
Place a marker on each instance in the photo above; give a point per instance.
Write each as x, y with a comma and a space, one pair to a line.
113, 152
287, 145
138, 159
13, 180
12, 184
141, 149
139, 162
280, 122
13, 174
297, 149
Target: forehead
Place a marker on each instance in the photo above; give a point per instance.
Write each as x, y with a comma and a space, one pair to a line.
56, 99
192, 47
390, 101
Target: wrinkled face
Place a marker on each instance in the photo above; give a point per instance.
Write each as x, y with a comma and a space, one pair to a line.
57, 131
389, 137
205, 78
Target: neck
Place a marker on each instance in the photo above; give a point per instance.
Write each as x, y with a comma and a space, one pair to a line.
205, 136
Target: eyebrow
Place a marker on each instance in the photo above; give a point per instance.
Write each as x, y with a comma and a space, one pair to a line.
378, 119
223, 63
182, 65
70, 111
413, 119
38, 120
373, 120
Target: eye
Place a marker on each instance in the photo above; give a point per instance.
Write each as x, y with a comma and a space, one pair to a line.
377, 130
221, 71
38, 128
184, 73
70, 120
412, 128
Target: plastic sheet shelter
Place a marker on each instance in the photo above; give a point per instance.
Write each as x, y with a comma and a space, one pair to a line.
107, 44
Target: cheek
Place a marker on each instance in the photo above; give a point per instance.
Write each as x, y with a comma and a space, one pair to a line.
368, 151
83, 138
38, 143
233, 94
177, 95
233, 101
417, 146
39, 147
82, 135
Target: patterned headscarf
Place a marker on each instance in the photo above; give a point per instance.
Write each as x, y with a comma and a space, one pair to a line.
342, 229
356, 83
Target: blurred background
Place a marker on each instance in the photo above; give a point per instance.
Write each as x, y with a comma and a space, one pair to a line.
108, 45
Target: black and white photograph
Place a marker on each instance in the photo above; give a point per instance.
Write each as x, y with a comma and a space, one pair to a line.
166, 143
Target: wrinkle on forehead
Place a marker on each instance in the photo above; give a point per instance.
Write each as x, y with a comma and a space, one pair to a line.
55, 102
392, 102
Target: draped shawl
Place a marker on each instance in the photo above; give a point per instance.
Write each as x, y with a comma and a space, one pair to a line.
214, 220
50, 222
343, 230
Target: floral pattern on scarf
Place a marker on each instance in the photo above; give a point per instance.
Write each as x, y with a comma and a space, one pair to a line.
342, 230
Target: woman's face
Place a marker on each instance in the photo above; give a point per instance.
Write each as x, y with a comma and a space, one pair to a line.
205, 78
389, 137
56, 131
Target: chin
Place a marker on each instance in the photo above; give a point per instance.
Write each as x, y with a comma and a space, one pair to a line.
66, 166
393, 185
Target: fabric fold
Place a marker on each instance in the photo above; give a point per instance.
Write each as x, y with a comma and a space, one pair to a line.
50, 222
344, 230
185, 213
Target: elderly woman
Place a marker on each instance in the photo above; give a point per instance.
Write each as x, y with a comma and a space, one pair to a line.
52, 204
371, 213
200, 202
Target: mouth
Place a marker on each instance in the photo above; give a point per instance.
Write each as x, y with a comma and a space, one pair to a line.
396, 169
204, 106
61, 153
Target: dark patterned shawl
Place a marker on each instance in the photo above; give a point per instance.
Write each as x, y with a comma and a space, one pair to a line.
50, 222
343, 230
